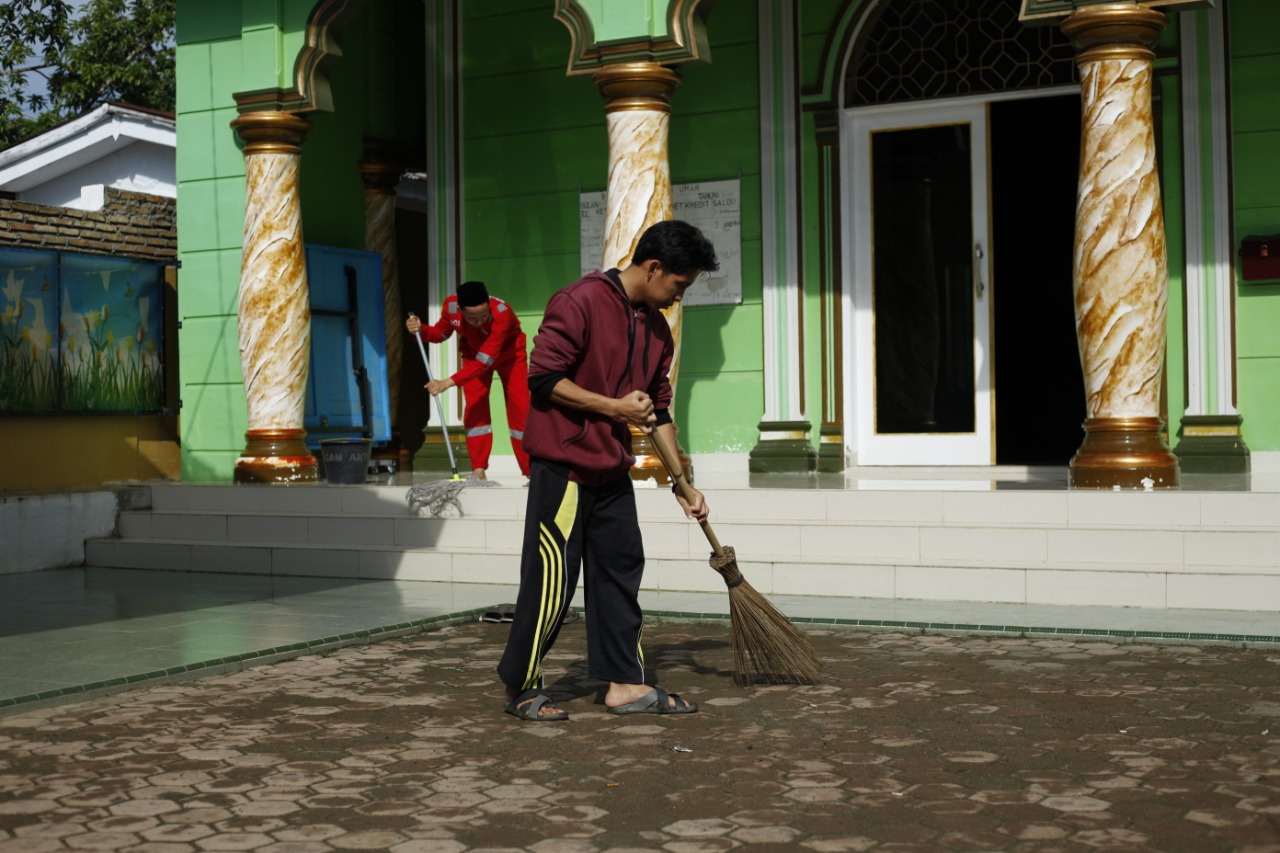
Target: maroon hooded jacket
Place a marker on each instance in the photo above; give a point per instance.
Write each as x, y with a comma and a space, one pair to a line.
593, 336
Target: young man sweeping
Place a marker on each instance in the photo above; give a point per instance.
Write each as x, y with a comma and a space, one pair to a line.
489, 341
600, 362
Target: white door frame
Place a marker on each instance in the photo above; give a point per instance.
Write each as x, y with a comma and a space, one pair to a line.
863, 445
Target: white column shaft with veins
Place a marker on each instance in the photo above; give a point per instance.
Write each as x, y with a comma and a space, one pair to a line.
639, 180
274, 305
639, 193
380, 237
1120, 260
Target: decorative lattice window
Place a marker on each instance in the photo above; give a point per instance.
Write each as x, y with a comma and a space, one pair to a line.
919, 49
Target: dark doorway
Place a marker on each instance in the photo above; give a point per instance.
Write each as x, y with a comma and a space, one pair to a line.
921, 285
1039, 386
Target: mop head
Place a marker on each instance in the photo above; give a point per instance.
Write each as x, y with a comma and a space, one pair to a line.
440, 498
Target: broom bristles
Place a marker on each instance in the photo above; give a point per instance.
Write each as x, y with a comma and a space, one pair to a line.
767, 647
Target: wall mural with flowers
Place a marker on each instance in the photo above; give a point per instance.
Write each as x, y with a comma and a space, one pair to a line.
80, 333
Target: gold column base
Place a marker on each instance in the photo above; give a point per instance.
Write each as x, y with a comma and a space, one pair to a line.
1125, 453
649, 463
276, 457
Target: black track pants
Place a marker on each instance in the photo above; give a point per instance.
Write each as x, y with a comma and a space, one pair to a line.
567, 526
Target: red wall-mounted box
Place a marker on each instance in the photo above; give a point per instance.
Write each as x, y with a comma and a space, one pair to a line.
1260, 258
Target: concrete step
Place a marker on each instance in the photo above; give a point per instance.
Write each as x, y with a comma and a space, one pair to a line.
1000, 507
1160, 549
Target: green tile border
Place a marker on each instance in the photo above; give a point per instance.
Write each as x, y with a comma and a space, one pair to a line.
279, 653
996, 630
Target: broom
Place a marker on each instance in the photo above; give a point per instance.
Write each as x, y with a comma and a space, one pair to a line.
436, 497
767, 648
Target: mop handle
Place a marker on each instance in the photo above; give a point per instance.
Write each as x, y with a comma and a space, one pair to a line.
453, 466
686, 491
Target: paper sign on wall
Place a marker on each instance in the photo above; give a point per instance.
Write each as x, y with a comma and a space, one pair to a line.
713, 206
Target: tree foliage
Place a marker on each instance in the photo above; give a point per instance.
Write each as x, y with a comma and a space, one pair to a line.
122, 51
114, 50
33, 34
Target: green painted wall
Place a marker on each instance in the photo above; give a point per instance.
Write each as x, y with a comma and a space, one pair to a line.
1255, 124
715, 135
533, 139
229, 48
624, 19
210, 176
530, 138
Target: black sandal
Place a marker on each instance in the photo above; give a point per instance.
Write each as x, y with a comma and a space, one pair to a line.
529, 704
657, 701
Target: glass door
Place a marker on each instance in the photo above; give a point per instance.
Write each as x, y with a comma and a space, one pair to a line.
921, 272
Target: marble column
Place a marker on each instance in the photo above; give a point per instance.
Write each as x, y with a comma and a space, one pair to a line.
380, 173
274, 305
639, 193
1120, 267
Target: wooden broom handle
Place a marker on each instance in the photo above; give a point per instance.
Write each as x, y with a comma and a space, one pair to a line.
676, 472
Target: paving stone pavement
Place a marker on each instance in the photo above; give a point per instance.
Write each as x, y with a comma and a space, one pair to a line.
915, 743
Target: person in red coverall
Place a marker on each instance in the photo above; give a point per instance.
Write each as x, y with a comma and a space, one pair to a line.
489, 341
600, 362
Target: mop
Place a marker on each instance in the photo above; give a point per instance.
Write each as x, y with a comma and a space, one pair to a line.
436, 497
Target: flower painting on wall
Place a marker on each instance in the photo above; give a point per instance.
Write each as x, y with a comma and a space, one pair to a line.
28, 323
81, 333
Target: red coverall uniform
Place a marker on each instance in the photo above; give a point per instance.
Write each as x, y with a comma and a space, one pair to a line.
497, 346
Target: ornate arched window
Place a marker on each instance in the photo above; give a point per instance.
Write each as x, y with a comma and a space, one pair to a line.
912, 50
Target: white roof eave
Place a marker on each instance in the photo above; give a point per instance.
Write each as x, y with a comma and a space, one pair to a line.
82, 140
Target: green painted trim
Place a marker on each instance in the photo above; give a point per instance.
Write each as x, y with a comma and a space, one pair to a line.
1170, 157
783, 455
1221, 452
311, 66
625, 19
1036, 12
821, 92
820, 168
446, 180
667, 32
1209, 214
831, 450
432, 456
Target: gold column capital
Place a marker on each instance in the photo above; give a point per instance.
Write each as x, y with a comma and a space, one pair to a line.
381, 166
637, 86
1114, 31
380, 176
271, 132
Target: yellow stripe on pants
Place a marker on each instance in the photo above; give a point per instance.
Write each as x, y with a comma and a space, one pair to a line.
552, 600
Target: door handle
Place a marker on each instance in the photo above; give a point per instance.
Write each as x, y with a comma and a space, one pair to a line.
978, 255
